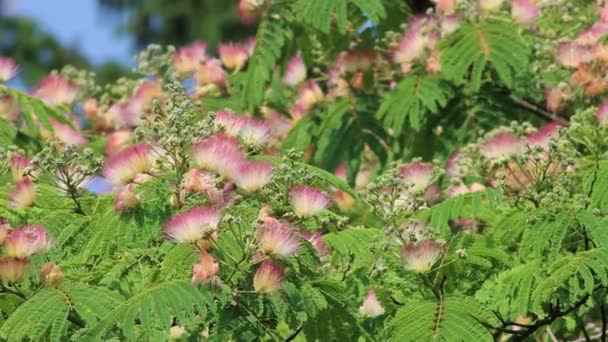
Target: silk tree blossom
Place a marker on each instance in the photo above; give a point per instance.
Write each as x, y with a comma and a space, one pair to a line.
446, 7
4, 229
192, 225
126, 198
218, 153
280, 125
55, 89
205, 269
9, 108
278, 238
453, 166
51, 274
196, 180
19, 163
8, 68
295, 72
355, 60
524, 11
572, 55
411, 47
249, 10
230, 123
251, 176
602, 113
308, 201
449, 24
210, 73
27, 240
12, 269
555, 99
22, 195
255, 131
418, 175
310, 94
421, 256
233, 56
118, 141
122, 167
268, 277
489, 5
371, 306
315, 239
543, 135
501, 145
189, 57
68, 135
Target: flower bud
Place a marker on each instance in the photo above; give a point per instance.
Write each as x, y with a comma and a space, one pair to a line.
295, 72
51, 274
8, 68
268, 277
371, 306
27, 240
22, 195
13, 269
207, 268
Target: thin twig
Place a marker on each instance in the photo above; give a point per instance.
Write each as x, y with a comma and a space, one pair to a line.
536, 110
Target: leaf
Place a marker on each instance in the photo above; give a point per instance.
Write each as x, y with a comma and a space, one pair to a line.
355, 241
320, 14
373, 9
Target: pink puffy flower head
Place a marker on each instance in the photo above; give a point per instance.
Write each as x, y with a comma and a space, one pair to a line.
445, 6
12, 269
524, 11
233, 56
308, 201
196, 181
118, 141
310, 94
295, 72
544, 134
23, 194
554, 98
192, 225
418, 175
126, 199
253, 175
68, 135
449, 24
9, 108
501, 145
218, 153
231, 123
602, 113
19, 163
411, 47
211, 73
205, 269
371, 306
189, 57
572, 55
277, 238
421, 256
4, 229
56, 90
8, 68
249, 10
27, 240
453, 167
255, 131
268, 277
315, 239
124, 166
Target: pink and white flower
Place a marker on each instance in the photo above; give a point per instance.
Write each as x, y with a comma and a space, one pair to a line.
501, 145
211, 73
421, 256
51, 274
524, 11
268, 277
8, 68
445, 6
315, 239
9, 108
13, 269
4, 229
453, 166
56, 90
253, 175
124, 166
189, 57
19, 163
554, 98
371, 306
192, 225
27, 240
602, 113
418, 175
118, 141
126, 199
205, 269
308, 201
231, 123
449, 24
218, 153
255, 131
196, 181
295, 72
68, 135
277, 238
543, 135
411, 47
572, 55
249, 10
489, 5
23, 194
310, 94
233, 56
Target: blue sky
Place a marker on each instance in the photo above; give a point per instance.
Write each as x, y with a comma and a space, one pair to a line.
80, 24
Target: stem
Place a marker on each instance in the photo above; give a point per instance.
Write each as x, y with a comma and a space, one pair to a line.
268, 330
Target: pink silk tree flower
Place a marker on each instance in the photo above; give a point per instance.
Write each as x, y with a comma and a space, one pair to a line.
543, 135
602, 113
555, 99
56, 90
255, 131
205, 269
268, 277
124, 166
411, 47
572, 55
19, 163
445, 6
23, 194
418, 175
501, 145
524, 11
249, 10
4, 229
126, 199
310, 94
230, 122
295, 72
278, 238
192, 225
9, 108
218, 153
13, 269
233, 56
8, 68
449, 24
489, 5
211, 73
371, 306
453, 166
251, 176
68, 135
189, 57
315, 239
27, 240
421, 256
308, 201
118, 141
196, 181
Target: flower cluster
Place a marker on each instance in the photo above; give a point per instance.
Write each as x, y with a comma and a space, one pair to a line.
18, 245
